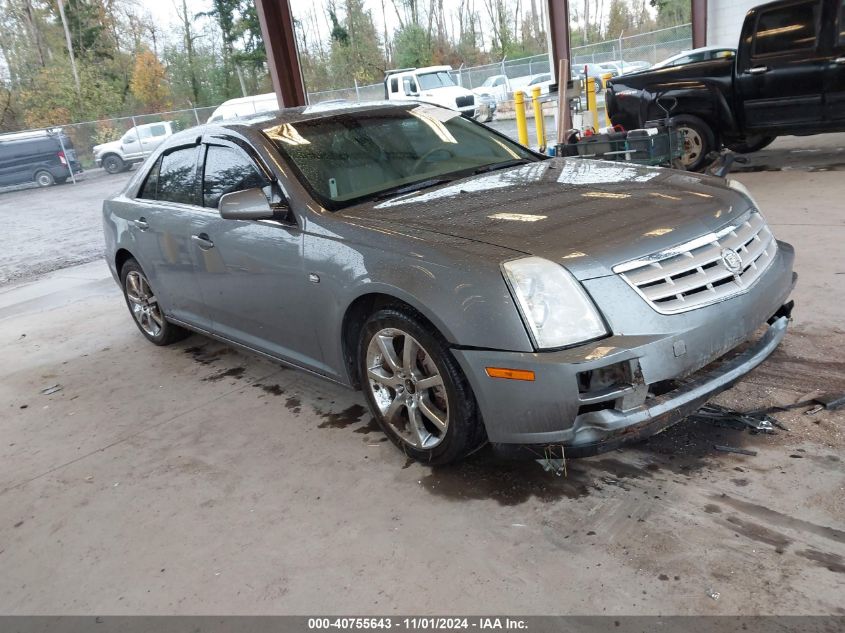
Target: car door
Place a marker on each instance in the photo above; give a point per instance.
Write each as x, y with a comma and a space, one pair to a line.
130, 144
780, 78
251, 272
151, 137
835, 72
166, 213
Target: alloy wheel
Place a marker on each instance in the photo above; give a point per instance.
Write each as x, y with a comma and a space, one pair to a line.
143, 303
407, 388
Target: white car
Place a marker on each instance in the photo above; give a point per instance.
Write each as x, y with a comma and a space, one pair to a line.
133, 147
541, 80
433, 84
244, 106
704, 54
496, 86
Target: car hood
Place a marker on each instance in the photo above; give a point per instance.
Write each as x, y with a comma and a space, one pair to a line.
587, 215
111, 145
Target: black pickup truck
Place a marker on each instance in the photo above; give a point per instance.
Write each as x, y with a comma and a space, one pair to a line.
788, 77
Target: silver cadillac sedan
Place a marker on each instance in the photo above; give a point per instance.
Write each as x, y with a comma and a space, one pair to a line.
474, 290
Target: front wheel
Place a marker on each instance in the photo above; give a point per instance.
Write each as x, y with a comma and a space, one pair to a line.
113, 164
416, 390
145, 308
699, 141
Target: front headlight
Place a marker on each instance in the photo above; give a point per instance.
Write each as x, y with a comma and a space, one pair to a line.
554, 306
743, 190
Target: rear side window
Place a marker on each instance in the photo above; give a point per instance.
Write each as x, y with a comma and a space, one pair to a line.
394, 84
148, 190
228, 170
787, 29
177, 176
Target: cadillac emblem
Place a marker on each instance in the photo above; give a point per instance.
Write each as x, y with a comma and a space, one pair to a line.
731, 260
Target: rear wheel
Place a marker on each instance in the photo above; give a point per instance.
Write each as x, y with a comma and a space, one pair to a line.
699, 141
113, 164
144, 307
416, 390
44, 178
751, 144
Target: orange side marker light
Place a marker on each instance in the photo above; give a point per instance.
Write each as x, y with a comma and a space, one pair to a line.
510, 374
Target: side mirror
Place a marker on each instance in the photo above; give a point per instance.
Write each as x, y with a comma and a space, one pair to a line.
249, 204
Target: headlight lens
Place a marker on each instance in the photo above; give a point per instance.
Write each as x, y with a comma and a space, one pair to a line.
554, 306
742, 189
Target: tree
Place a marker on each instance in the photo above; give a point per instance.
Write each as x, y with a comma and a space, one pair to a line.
411, 47
672, 12
149, 83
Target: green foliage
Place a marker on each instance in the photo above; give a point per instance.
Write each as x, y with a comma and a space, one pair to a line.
672, 12
411, 47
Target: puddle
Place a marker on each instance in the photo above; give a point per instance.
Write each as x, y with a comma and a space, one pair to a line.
350, 415
293, 404
274, 390
205, 356
370, 427
233, 372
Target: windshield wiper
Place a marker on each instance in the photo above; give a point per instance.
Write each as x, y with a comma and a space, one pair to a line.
504, 165
417, 186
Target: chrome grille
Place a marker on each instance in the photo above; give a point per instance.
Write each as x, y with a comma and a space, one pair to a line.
697, 273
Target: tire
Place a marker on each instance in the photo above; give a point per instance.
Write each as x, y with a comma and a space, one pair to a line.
403, 407
114, 164
148, 316
751, 144
699, 141
44, 178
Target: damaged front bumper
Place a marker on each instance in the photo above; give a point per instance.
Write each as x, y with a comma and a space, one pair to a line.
592, 398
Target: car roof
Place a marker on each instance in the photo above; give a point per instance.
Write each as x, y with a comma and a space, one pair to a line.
307, 113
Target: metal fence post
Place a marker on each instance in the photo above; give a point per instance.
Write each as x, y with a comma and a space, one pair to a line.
67, 158
357, 91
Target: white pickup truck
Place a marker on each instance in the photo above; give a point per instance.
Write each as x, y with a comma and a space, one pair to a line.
133, 147
433, 84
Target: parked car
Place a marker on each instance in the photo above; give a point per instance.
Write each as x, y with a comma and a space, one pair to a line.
788, 77
618, 68
133, 147
497, 86
594, 71
392, 248
43, 157
433, 84
541, 80
704, 54
244, 106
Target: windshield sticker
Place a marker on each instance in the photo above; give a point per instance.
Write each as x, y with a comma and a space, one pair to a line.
590, 172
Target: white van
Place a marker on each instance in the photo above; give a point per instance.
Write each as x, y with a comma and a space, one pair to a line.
433, 84
244, 106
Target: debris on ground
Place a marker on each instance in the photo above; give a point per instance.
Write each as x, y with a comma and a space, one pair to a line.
713, 594
734, 449
757, 421
51, 389
825, 401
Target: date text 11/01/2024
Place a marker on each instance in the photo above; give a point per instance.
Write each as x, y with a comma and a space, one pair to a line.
417, 623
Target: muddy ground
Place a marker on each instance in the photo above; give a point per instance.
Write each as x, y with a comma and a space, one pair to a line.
195, 479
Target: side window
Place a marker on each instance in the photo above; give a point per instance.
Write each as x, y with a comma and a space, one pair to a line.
144, 132
786, 29
177, 176
228, 170
394, 84
409, 85
148, 190
157, 130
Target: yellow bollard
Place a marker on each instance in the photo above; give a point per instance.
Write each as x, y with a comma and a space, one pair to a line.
521, 123
604, 79
539, 122
591, 102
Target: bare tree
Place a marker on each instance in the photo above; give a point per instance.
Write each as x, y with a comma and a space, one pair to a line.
70, 48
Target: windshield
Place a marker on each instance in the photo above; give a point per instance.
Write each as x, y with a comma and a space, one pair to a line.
352, 156
430, 81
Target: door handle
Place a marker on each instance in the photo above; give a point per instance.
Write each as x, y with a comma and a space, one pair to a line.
202, 241
141, 223
839, 60
758, 70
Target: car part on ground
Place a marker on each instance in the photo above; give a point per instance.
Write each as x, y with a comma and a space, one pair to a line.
425, 242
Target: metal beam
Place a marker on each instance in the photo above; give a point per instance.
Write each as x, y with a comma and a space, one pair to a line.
282, 58
699, 23
558, 33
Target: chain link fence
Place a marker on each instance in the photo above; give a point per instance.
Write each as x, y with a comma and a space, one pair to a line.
646, 47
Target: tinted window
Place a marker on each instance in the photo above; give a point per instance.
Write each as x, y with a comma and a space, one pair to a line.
394, 84
351, 156
430, 81
177, 176
228, 170
148, 191
787, 28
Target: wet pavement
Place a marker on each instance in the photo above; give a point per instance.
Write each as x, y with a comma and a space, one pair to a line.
197, 479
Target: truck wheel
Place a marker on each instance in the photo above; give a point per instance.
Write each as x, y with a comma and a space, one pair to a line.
44, 178
699, 141
751, 144
113, 164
